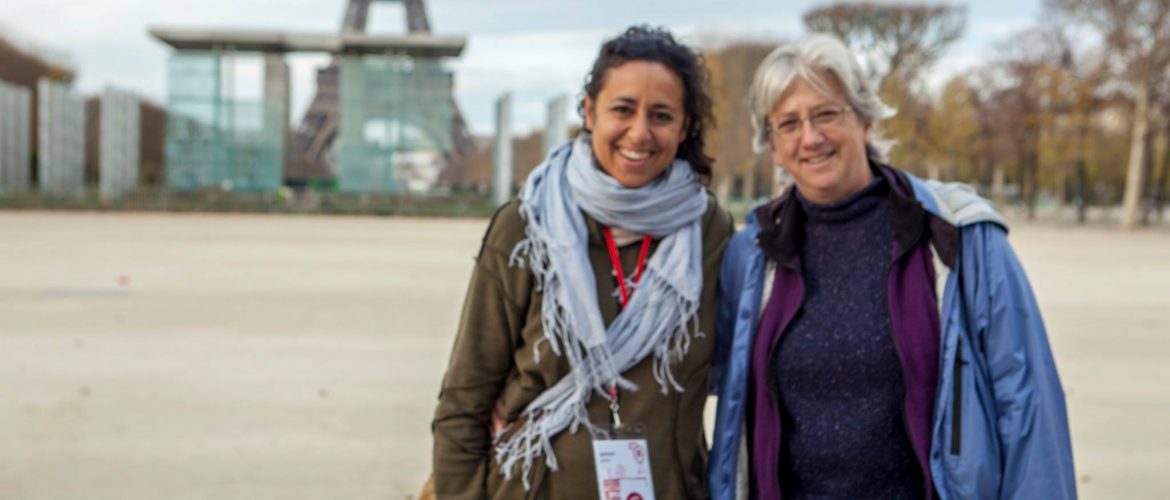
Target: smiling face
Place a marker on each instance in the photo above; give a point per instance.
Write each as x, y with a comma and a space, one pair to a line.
637, 121
827, 162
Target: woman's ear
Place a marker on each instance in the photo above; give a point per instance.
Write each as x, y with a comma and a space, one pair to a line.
589, 110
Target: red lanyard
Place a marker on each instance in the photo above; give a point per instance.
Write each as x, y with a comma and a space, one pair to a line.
616, 261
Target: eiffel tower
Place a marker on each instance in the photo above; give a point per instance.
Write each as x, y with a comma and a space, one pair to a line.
313, 153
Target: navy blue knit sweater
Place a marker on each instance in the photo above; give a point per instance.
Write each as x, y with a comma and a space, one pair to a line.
839, 376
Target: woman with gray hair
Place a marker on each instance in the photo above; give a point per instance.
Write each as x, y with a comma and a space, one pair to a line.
876, 335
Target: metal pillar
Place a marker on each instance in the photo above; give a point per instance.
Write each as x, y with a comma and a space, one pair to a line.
276, 106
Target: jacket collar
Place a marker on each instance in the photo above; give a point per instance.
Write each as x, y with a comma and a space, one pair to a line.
782, 222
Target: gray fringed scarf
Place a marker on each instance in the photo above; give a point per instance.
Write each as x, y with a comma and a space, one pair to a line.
659, 319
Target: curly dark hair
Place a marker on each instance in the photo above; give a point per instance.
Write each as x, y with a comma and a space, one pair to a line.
645, 43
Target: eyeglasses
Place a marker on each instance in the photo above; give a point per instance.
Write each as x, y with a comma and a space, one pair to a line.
791, 129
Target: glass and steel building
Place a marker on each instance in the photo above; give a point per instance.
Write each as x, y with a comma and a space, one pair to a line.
394, 112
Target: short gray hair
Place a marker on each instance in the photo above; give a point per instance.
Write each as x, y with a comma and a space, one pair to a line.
808, 59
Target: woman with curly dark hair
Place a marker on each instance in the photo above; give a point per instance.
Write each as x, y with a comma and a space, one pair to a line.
589, 315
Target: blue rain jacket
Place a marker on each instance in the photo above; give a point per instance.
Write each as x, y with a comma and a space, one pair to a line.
1000, 428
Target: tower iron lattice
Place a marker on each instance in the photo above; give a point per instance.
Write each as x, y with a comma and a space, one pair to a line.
313, 144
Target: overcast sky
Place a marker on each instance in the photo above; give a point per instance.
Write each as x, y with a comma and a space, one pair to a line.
535, 48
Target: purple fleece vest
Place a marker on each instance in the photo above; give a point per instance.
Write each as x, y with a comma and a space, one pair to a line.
915, 322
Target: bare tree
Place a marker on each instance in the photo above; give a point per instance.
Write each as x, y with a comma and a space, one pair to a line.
1084, 73
955, 131
897, 40
915, 146
1163, 182
1030, 127
1005, 96
1040, 91
1159, 188
740, 172
1137, 36
987, 102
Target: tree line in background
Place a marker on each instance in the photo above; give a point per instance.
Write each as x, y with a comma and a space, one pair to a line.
1071, 112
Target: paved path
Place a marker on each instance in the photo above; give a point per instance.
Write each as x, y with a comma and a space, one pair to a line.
158, 356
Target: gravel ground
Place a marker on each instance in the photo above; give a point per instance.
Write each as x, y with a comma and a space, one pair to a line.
161, 356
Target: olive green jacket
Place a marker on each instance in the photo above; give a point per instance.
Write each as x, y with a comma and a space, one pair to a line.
493, 361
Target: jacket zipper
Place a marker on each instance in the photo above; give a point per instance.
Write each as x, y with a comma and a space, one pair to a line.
957, 401
957, 396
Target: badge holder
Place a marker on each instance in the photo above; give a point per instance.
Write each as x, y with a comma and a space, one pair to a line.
621, 457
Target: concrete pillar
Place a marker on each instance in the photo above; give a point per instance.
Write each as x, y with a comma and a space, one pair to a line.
24, 136
502, 153
556, 130
276, 107
15, 125
61, 139
119, 136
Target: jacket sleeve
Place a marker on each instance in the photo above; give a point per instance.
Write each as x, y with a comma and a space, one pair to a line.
726, 299
480, 362
1031, 418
